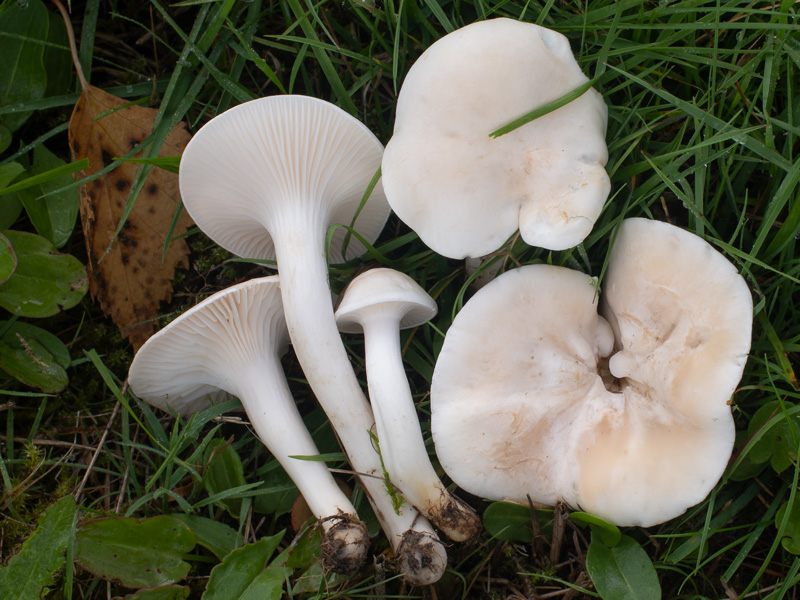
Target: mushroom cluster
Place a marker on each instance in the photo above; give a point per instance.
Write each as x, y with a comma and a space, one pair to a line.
266, 180
535, 395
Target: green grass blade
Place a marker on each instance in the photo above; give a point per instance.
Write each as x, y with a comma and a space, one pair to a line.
545, 108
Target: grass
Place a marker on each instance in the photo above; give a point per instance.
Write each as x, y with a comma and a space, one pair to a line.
704, 120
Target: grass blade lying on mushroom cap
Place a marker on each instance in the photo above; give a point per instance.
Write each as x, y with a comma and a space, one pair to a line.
545, 178
627, 416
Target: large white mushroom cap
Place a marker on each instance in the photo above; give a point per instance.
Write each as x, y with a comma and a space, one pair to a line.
272, 161
465, 193
523, 401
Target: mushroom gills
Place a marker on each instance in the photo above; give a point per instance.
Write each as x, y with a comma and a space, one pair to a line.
233, 341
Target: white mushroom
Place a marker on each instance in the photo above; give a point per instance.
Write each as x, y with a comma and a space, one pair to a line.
525, 400
465, 193
233, 341
266, 179
381, 302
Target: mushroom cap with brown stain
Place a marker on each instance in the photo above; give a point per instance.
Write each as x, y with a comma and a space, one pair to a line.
525, 400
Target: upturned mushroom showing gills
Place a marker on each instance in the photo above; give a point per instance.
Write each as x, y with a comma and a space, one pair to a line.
233, 341
266, 180
626, 417
381, 302
545, 178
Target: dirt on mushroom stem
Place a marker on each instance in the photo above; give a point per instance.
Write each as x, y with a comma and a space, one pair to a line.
452, 514
336, 548
419, 558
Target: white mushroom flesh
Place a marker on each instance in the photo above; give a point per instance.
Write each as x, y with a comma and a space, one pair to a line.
523, 403
465, 193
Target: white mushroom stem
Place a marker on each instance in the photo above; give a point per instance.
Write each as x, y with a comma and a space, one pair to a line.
270, 407
402, 446
316, 341
472, 264
273, 414
319, 349
233, 341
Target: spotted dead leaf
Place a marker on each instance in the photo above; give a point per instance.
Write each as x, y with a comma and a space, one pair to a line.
131, 279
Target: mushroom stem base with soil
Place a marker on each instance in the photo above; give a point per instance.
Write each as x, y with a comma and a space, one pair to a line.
422, 556
344, 544
274, 417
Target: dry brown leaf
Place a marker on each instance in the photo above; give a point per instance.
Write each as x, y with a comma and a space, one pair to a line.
131, 280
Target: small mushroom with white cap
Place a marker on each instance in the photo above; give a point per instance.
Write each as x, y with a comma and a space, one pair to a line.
267, 179
627, 417
381, 302
546, 178
233, 341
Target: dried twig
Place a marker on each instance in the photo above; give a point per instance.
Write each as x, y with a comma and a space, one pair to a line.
41, 442
100, 445
30, 480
